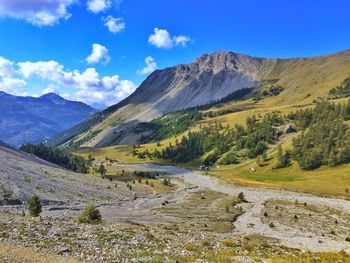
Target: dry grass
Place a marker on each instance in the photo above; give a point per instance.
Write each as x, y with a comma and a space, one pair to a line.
314, 258
15, 254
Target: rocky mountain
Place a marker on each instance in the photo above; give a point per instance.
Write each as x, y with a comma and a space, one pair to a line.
29, 119
211, 78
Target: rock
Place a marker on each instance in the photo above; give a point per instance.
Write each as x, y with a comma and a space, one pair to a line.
285, 129
62, 250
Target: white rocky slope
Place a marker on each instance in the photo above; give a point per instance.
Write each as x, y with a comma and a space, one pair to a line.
23, 175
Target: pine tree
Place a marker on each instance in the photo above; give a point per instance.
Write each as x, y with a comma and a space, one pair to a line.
283, 160
34, 206
332, 161
90, 215
102, 170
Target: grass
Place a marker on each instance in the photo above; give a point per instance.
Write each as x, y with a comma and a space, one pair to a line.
324, 181
313, 258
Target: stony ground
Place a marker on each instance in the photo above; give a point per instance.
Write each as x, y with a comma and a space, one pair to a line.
131, 242
196, 217
23, 175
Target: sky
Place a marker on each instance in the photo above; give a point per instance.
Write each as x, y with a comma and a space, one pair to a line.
100, 51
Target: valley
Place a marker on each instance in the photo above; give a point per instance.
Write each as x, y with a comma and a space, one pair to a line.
197, 216
241, 176
174, 131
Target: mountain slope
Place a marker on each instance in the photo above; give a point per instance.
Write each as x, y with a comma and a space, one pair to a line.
23, 175
209, 78
28, 119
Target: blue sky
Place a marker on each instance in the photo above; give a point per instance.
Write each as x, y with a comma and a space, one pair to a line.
47, 45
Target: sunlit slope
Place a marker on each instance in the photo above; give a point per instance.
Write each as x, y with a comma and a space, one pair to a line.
306, 79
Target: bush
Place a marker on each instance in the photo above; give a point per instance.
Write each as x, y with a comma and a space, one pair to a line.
228, 158
166, 182
34, 206
90, 215
241, 197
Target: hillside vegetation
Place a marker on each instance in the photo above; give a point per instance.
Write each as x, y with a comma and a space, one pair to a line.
282, 144
57, 156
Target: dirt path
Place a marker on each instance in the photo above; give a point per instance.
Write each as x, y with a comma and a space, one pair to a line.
251, 221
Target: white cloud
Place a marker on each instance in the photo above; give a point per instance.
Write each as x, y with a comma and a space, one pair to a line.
108, 90
98, 54
181, 40
50, 70
36, 12
6, 69
49, 89
114, 25
151, 66
162, 39
11, 85
89, 85
97, 6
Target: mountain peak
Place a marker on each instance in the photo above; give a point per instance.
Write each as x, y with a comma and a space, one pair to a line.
51, 95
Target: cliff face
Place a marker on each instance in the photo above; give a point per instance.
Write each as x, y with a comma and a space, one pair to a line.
210, 77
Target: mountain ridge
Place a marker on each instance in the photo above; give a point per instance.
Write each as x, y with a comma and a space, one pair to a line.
212, 77
30, 119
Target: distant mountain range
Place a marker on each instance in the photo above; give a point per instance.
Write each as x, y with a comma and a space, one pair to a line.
30, 119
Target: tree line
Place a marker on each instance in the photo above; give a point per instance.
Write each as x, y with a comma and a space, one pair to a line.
324, 139
57, 156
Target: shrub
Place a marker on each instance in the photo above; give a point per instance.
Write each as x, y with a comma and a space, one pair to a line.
166, 182
90, 215
228, 243
241, 197
102, 170
34, 206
